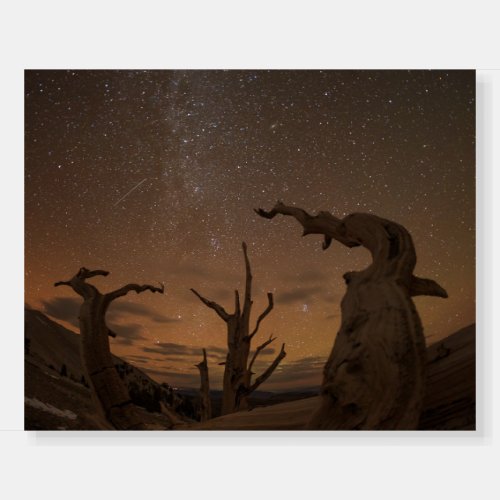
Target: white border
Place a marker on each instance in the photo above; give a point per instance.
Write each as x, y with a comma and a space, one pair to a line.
271, 34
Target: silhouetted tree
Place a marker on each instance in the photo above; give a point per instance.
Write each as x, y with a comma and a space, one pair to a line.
205, 406
375, 375
237, 383
110, 392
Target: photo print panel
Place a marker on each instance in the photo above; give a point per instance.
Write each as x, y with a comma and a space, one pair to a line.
167, 282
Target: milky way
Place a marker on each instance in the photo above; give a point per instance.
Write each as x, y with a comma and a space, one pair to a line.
153, 175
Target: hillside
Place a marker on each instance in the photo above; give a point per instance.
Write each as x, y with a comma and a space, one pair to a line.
58, 398
56, 392
450, 403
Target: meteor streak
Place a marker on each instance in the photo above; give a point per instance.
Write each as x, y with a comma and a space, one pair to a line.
133, 189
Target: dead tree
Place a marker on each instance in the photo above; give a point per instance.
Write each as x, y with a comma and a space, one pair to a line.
110, 392
237, 383
375, 375
205, 406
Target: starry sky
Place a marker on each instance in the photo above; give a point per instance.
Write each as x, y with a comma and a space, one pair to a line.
153, 176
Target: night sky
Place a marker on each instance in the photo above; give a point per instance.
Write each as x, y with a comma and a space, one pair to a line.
153, 176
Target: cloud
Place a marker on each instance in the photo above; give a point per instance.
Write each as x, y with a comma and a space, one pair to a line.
175, 352
265, 352
121, 307
141, 359
332, 316
175, 378
126, 334
177, 370
68, 309
303, 372
298, 295
308, 276
190, 269
65, 308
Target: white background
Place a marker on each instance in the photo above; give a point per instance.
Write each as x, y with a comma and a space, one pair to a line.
258, 34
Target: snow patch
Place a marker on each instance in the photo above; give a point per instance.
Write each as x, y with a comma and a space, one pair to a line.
35, 403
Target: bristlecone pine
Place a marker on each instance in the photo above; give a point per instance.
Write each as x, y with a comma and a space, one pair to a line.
108, 389
205, 405
237, 383
374, 377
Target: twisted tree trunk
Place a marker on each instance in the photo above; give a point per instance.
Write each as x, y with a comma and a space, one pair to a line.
108, 389
205, 406
375, 375
237, 385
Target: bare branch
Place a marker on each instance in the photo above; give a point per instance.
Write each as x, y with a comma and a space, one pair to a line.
269, 371
248, 283
323, 223
280, 208
78, 284
60, 283
237, 307
132, 287
423, 286
205, 407
85, 273
204, 361
259, 349
268, 309
213, 305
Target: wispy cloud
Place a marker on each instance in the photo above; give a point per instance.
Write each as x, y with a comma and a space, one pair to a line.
308, 276
298, 295
68, 309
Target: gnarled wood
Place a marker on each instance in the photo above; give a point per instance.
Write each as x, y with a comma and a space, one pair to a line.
205, 405
237, 382
375, 375
107, 387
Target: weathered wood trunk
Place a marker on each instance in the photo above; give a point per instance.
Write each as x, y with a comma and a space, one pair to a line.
237, 385
375, 375
205, 404
108, 390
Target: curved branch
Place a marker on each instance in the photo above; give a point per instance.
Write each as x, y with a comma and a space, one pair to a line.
269, 371
423, 286
78, 284
132, 287
280, 208
60, 283
268, 309
323, 223
259, 349
85, 273
390, 244
213, 305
